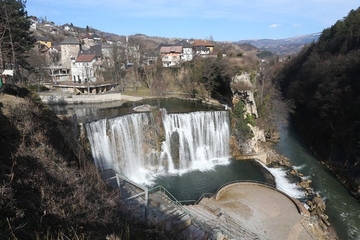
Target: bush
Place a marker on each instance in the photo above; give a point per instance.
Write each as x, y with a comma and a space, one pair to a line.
242, 130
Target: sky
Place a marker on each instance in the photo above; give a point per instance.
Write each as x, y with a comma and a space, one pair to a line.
220, 20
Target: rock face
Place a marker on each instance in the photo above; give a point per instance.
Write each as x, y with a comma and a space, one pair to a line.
253, 145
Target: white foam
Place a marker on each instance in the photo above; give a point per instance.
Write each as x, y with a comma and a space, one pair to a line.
283, 184
299, 167
305, 177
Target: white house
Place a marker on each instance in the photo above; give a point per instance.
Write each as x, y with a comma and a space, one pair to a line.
33, 23
170, 55
187, 50
67, 27
83, 68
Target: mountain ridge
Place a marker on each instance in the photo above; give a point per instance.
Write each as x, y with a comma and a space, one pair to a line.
284, 46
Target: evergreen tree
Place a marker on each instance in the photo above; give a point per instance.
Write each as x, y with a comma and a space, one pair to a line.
15, 37
323, 82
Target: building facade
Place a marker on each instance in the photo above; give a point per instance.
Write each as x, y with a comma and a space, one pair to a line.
83, 69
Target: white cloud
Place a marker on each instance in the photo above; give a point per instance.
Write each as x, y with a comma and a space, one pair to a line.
275, 25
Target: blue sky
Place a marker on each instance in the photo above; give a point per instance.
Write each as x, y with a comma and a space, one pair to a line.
226, 20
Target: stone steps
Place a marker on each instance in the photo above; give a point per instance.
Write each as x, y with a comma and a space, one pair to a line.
169, 217
220, 224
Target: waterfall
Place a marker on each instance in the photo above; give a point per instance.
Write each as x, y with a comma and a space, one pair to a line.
130, 144
201, 140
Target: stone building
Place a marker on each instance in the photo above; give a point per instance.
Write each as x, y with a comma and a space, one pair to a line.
70, 48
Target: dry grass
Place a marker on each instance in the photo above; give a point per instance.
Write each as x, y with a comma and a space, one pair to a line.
49, 188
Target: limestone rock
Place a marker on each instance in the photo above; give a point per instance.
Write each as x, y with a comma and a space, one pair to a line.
253, 145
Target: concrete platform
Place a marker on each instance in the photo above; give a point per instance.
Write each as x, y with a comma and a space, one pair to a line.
261, 209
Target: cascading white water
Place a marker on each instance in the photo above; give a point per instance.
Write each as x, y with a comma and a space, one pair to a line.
203, 140
118, 144
197, 140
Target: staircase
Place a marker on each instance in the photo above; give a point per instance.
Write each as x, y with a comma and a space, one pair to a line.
220, 223
172, 218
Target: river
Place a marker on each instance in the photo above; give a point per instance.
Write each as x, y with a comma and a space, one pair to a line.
342, 208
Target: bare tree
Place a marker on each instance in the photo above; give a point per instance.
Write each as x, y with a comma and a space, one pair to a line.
152, 76
159, 84
39, 63
54, 56
114, 66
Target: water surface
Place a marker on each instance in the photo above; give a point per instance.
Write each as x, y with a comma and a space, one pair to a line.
343, 210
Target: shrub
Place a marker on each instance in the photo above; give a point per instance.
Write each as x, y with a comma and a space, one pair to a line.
242, 130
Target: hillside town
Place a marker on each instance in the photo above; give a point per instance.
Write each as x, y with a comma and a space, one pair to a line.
89, 118
82, 56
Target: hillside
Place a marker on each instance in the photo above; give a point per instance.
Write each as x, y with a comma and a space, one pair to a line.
323, 81
285, 46
50, 189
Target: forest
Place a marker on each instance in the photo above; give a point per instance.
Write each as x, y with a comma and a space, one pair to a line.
323, 83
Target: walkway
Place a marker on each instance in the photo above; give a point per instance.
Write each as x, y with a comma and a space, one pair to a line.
259, 209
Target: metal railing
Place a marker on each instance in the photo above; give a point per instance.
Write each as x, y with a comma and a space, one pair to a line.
164, 192
179, 204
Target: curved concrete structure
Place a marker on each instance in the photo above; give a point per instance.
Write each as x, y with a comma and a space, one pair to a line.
263, 210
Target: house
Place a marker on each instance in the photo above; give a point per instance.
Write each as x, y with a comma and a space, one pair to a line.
201, 50
200, 47
33, 23
83, 68
68, 27
43, 41
170, 55
187, 50
90, 39
96, 37
54, 30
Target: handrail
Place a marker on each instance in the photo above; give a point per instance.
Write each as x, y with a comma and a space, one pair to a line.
174, 200
204, 195
249, 181
126, 178
177, 203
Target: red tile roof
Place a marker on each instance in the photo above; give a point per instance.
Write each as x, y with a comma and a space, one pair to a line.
202, 43
85, 58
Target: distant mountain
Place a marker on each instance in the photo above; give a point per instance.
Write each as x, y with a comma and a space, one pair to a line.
282, 46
